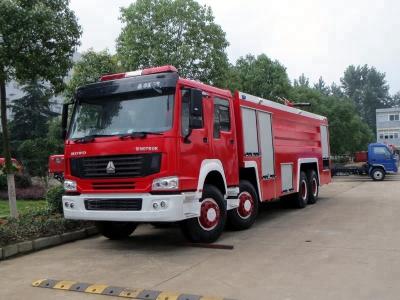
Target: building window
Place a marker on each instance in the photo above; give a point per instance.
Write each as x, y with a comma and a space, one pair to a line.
386, 137
381, 136
396, 135
391, 136
394, 117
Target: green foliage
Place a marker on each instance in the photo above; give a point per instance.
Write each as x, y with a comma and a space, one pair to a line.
368, 89
54, 199
31, 113
39, 39
35, 224
177, 32
3, 182
89, 69
35, 154
259, 76
303, 81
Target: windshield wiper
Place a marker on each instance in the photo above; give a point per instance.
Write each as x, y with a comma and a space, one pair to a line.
90, 138
138, 134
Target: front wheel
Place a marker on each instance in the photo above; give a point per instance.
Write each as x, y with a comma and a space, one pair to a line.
208, 227
245, 215
377, 174
116, 230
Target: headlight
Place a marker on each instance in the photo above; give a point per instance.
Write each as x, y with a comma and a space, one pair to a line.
166, 183
69, 185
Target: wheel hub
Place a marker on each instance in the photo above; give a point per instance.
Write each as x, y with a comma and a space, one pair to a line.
209, 214
314, 187
303, 190
246, 205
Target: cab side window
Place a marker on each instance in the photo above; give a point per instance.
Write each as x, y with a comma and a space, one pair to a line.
222, 119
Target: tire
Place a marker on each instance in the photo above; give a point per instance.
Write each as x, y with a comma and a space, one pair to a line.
313, 187
116, 230
208, 227
302, 196
378, 174
245, 215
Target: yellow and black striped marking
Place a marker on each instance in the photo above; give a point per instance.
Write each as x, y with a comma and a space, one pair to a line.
102, 289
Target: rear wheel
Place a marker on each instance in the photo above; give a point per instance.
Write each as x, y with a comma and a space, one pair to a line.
245, 215
116, 230
313, 187
208, 227
302, 196
378, 174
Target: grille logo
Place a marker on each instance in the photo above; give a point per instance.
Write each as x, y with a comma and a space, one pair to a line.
110, 168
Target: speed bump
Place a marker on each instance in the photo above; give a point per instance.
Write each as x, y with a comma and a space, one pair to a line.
122, 292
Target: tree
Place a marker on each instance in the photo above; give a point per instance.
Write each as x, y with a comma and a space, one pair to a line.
368, 89
89, 69
34, 154
37, 41
260, 76
177, 32
394, 100
31, 113
321, 87
303, 81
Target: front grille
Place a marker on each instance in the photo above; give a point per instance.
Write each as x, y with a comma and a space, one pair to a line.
133, 204
114, 185
116, 166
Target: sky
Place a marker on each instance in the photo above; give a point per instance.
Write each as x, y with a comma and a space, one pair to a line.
314, 37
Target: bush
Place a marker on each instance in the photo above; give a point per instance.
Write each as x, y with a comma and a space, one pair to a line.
54, 199
35, 224
3, 182
23, 181
34, 192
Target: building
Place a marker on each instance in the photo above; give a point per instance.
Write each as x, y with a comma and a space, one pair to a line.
388, 126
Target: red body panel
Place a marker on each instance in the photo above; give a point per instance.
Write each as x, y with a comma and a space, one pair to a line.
56, 163
361, 156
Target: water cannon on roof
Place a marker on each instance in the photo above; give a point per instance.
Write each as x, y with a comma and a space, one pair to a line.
290, 103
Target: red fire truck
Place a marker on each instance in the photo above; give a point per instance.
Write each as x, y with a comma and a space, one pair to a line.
149, 146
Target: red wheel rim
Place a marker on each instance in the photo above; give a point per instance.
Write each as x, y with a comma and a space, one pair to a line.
303, 190
246, 205
209, 214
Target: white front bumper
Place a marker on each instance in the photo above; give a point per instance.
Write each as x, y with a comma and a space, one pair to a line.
179, 207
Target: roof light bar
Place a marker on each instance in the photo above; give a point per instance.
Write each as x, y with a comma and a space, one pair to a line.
147, 71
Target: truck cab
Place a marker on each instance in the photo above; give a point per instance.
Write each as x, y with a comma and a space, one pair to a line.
381, 161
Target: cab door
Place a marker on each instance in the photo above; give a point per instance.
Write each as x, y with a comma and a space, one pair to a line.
224, 140
194, 144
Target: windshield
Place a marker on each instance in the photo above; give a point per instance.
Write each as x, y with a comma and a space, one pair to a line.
119, 117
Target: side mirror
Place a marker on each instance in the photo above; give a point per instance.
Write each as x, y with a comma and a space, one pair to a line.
196, 109
64, 120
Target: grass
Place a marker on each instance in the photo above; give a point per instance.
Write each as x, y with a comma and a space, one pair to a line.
22, 205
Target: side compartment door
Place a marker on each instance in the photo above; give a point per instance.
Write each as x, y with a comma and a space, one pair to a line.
265, 137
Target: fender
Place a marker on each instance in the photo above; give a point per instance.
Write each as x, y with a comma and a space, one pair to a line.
207, 166
304, 161
253, 164
376, 165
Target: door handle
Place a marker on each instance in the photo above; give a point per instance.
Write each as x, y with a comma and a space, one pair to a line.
205, 140
231, 141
